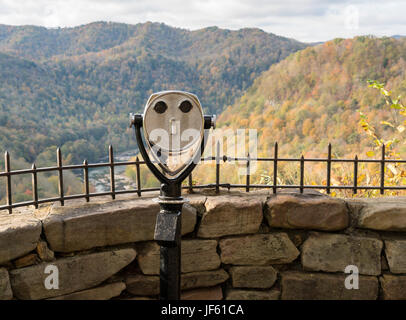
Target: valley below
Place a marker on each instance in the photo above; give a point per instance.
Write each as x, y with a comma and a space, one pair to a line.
73, 88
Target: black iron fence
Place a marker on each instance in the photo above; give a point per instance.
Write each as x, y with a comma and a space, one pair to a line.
218, 158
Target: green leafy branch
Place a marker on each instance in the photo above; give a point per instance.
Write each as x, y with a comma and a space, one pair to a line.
394, 174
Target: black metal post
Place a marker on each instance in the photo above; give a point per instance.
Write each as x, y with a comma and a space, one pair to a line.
328, 183
8, 182
168, 236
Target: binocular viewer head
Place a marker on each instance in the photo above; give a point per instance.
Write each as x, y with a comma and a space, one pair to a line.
174, 128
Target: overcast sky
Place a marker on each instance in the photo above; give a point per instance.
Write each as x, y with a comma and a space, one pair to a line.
306, 20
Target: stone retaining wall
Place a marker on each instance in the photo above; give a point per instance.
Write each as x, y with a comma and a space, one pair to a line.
235, 246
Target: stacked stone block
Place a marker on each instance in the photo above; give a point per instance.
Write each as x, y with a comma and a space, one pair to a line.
235, 245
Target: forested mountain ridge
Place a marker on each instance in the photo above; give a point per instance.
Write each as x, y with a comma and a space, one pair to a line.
313, 97
40, 43
74, 87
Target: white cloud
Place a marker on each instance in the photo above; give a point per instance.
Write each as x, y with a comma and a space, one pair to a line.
307, 20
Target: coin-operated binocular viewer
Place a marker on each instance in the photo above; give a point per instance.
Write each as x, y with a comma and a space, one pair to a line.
175, 133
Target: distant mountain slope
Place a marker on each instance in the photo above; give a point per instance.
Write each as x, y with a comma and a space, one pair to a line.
37, 43
75, 86
312, 97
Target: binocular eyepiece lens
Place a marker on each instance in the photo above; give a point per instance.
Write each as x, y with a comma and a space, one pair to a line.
160, 107
185, 106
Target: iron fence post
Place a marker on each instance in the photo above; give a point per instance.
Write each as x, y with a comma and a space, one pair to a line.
190, 180
86, 180
218, 167
355, 174
328, 182
34, 186
137, 166
8, 182
301, 173
112, 181
60, 175
382, 188
247, 187
275, 168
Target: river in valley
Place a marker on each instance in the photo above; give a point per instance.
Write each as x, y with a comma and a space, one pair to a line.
99, 178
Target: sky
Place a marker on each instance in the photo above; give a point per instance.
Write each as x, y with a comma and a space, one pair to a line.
306, 20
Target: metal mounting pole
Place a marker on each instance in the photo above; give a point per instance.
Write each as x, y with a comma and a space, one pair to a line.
168, 236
